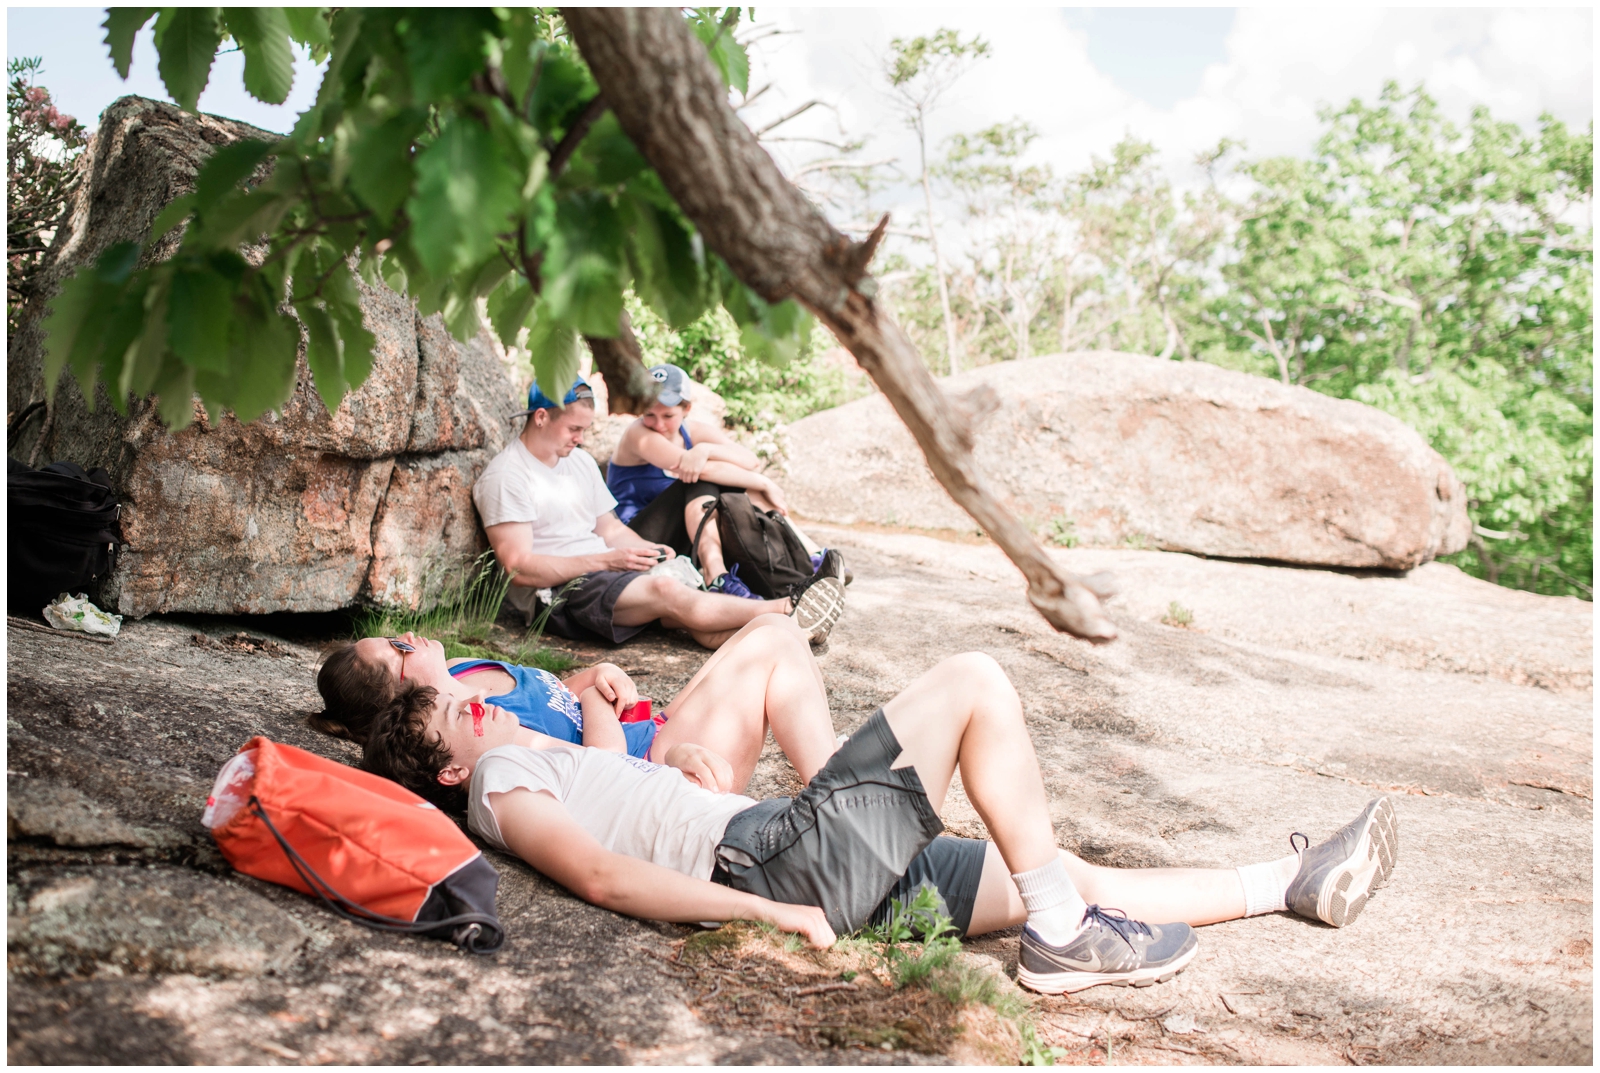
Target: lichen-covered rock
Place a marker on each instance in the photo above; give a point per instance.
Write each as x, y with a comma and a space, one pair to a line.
292, 512
1185, 456
138, 920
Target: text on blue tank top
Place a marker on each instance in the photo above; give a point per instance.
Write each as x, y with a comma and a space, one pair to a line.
636, 487
540, 702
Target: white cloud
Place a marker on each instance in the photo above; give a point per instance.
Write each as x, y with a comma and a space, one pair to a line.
1281, 65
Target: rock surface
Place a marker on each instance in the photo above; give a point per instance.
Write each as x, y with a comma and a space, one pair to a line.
298, 511
1176, 455
1292, 698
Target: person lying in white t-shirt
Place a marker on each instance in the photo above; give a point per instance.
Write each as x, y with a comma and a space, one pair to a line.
655, 842
551, 522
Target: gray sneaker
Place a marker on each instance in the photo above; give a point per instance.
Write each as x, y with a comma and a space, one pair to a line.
818, 606
1337, 877
1111, 950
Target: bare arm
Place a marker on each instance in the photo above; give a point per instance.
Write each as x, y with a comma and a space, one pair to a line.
539, 830
511, 541
600, 727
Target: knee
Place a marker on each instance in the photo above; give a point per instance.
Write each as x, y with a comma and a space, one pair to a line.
979, 672
663, 592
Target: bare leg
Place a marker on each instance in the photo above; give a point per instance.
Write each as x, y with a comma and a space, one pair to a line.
1194, 896
709, 616
709, 549
765, 676
965, 711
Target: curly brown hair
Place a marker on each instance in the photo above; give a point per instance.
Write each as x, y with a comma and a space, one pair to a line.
354, 692
398, 746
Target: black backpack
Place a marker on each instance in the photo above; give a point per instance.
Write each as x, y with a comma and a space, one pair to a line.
772, 562
61, 532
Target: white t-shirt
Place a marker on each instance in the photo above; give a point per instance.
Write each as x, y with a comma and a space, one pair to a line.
562, 504
630, 806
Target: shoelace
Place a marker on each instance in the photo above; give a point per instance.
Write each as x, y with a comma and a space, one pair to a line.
1121, 923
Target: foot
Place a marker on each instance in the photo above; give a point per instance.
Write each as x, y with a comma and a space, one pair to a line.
729, 585
829, 561
817, 606
1337, 877
1110, 950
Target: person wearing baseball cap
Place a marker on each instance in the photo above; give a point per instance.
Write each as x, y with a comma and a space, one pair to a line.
552, 525
669, 465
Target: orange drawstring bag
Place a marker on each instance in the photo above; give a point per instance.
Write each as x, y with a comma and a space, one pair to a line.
373, 851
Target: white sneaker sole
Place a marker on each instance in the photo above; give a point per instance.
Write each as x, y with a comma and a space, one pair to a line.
1345, 891
819, 607
1065, 983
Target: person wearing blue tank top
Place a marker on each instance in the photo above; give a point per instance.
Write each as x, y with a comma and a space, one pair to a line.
712, 717
668, 466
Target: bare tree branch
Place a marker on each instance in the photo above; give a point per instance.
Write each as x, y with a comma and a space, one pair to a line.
669, 100
781, 120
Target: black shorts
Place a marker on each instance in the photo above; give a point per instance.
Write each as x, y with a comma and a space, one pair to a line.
858, 835
585, 611
661, 521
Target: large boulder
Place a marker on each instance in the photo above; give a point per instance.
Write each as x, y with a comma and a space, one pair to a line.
1121, 449
299, 511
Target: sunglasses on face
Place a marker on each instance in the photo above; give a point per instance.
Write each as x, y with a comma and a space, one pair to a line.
404, 649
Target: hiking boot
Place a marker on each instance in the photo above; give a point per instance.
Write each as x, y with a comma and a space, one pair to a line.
818, 605
1110, 950
1337, 877
829, 561
729, 585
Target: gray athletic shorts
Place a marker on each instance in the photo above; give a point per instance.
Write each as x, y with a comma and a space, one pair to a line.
857, 836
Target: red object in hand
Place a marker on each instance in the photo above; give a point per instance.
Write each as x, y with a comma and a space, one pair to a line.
638, 713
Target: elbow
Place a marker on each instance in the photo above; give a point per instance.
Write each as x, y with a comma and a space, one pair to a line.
602, 887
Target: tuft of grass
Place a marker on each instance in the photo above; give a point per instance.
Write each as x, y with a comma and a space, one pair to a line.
463, 619
1178, 615
1138, 542
1062, 532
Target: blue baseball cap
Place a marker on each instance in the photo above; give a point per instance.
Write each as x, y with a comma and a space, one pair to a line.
538, 400
674, 384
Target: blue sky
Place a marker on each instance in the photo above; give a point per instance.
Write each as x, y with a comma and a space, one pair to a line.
1155, 54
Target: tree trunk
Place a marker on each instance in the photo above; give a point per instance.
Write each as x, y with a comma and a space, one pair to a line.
630, 389
659, 81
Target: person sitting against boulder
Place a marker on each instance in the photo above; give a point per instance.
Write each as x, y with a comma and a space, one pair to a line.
764, 678
640, 839
667, 469
551, 521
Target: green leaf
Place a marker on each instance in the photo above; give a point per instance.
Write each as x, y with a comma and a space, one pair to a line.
445, 47
177, 211
380, 161
226, 169
122, 25
461, 317
610, 152
187, 40
199, 307
243, 218
564, 86
509, 308
324, 353
668, 273
263, 35
309, 26
71, 312
583, 267
142, 363
266, 379
554, 350
465, 195
344, 302
174, 389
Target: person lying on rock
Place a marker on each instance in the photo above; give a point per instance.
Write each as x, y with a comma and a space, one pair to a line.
764, 677
668, 468
644, 840
551, 521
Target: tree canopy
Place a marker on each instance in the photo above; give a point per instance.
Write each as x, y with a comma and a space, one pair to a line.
457, 154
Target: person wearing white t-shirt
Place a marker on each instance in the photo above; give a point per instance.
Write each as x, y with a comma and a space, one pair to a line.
551, 521
660, 842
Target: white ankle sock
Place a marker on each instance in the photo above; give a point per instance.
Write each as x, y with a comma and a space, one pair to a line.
1266, 885
1055, 908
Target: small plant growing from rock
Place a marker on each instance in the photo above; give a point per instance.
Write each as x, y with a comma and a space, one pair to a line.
1062, 532
1138, 542
1178, 615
